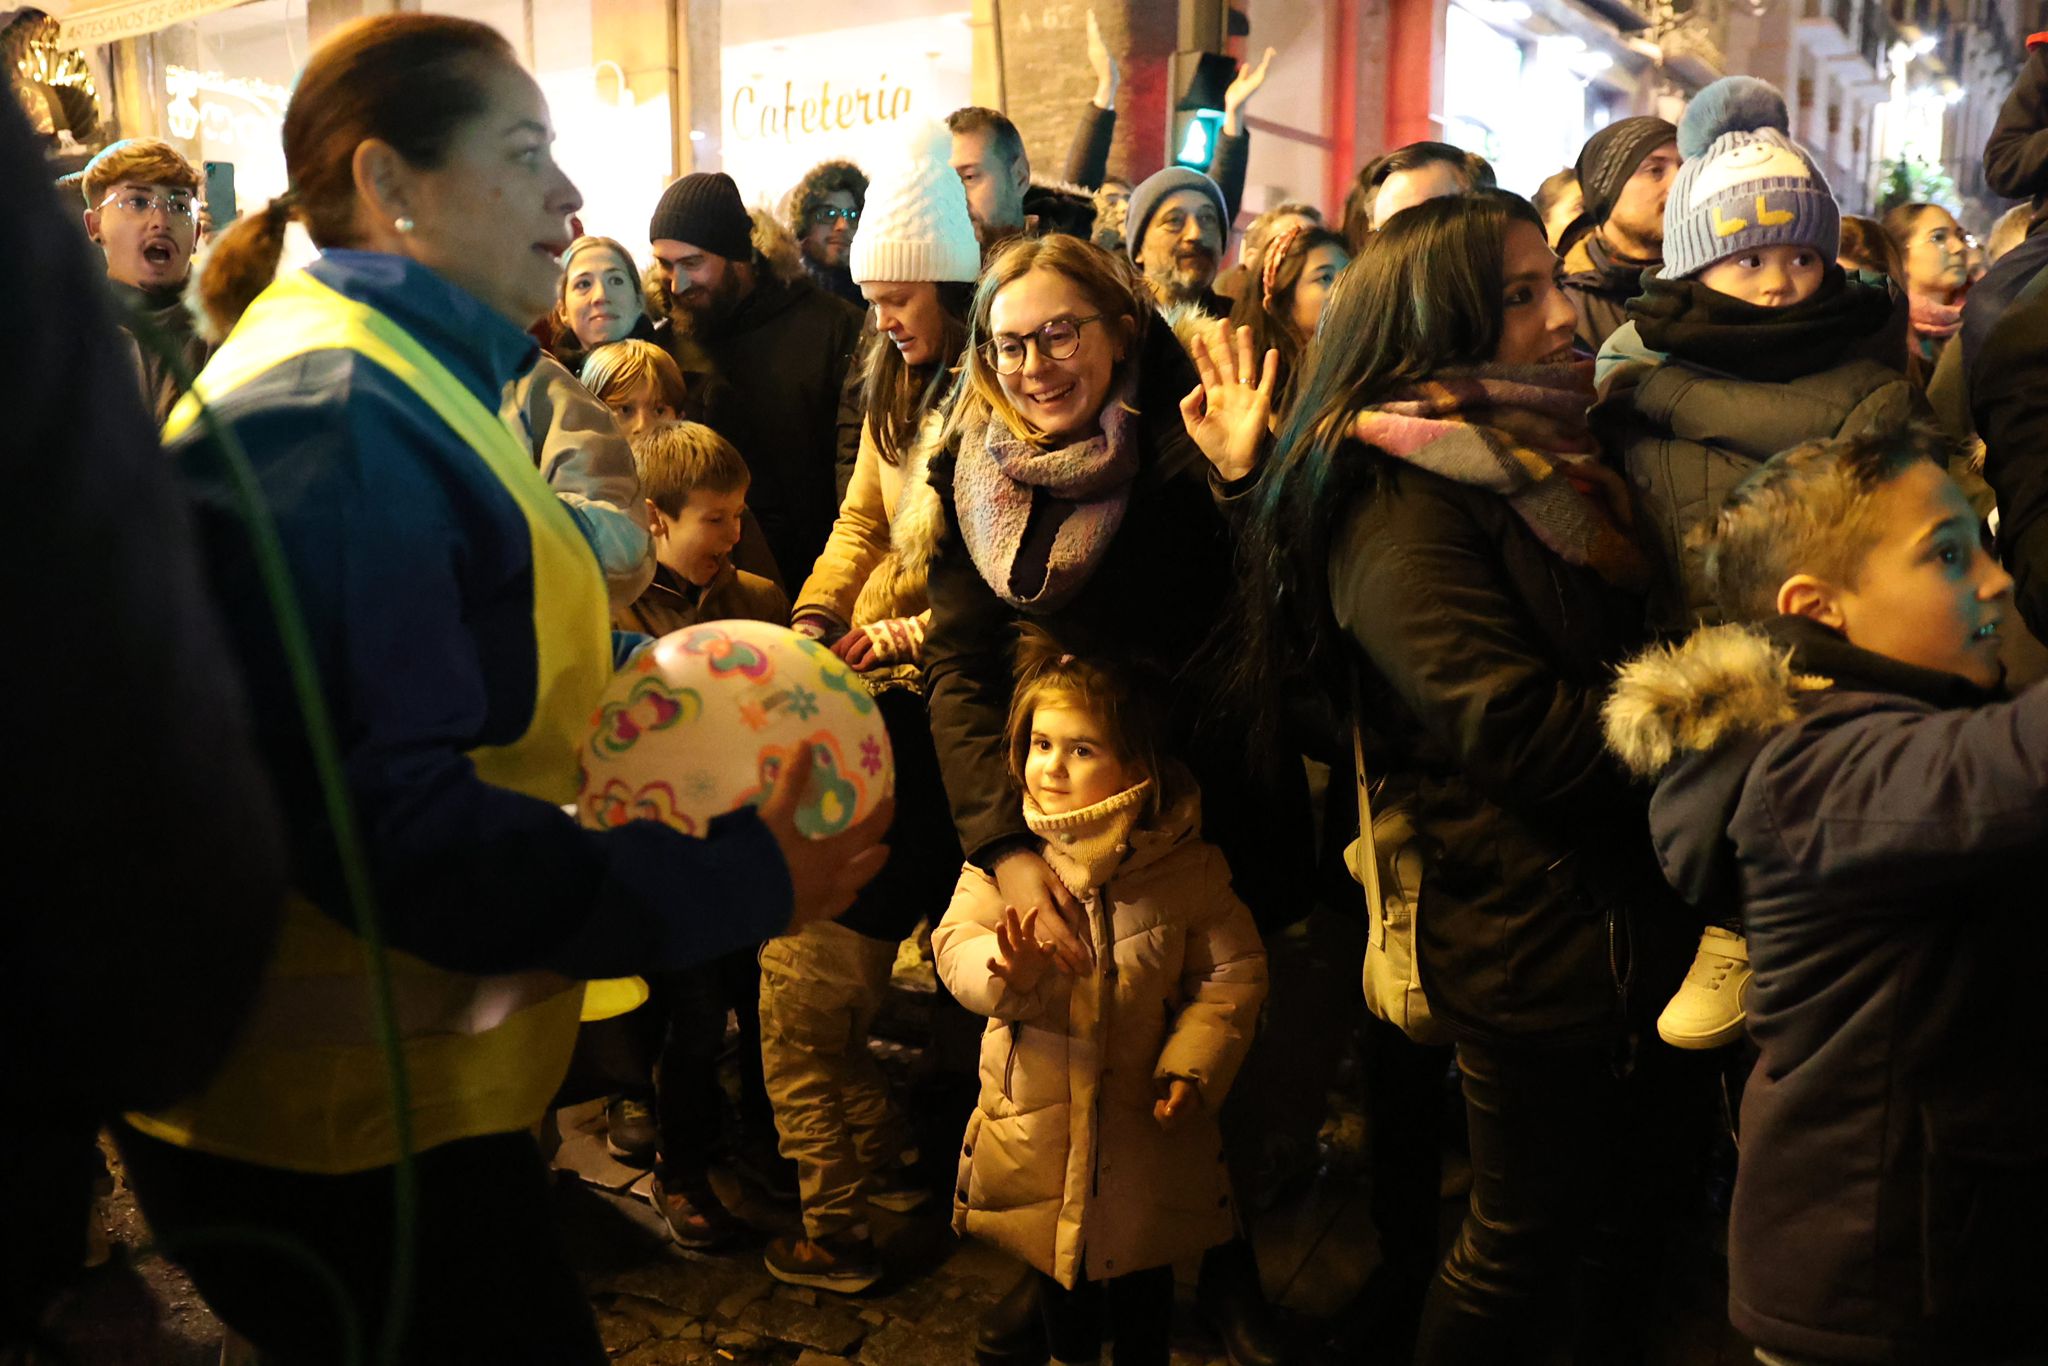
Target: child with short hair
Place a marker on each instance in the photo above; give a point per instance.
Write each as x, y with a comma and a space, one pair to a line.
1837, 764
1093, 1153
695, 485
639, 382
1751, 340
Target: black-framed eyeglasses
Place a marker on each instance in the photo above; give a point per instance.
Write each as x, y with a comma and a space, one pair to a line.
832, 213
1058, 339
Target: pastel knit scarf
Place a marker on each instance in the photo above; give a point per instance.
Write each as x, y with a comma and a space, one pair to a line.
1933, 318
994, 481
1084, 847
1520, 432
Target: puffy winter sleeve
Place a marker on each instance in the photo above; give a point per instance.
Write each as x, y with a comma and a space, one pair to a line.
965, 941
859, 540
1223, 984
1905, 801
581, 452
2016, 154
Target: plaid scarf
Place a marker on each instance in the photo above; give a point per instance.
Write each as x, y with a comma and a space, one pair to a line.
1520, 432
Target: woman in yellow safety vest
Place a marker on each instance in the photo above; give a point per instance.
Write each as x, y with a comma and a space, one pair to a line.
458, 623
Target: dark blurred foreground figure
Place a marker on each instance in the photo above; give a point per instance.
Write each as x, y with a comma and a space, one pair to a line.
137, 802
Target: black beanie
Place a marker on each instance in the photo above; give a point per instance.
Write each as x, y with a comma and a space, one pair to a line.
1612, 155
705, 210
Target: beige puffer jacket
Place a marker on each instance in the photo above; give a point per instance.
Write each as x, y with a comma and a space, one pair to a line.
1063, 1164
874, 563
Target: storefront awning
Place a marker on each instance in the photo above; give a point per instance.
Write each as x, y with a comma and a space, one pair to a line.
86, 25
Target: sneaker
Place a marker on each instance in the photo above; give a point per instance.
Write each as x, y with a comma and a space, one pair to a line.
896, 1188
630, 1134
844, 1263
1710, 1008
698, 1219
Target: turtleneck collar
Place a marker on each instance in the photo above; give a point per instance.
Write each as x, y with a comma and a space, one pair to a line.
480, 347
1084, 847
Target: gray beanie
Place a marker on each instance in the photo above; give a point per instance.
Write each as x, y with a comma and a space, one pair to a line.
1745, 184
1156, 187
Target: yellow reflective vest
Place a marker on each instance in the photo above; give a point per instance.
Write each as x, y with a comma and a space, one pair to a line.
307, 1088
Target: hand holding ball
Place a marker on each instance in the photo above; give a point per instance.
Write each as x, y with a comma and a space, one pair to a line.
738, 713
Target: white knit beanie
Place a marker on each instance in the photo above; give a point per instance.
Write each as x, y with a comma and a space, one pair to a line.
915, 224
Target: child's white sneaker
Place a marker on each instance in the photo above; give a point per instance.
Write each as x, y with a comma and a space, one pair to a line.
1710, 1007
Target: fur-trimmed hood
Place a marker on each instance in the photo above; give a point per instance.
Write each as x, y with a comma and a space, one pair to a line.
1693, 716
1718, 685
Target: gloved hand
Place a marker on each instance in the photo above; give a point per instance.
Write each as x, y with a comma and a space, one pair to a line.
899, 640
816, 625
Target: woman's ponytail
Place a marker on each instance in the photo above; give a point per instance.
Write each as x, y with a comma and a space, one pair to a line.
242, 264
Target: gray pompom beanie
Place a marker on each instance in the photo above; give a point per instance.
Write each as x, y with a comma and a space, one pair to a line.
1745, 183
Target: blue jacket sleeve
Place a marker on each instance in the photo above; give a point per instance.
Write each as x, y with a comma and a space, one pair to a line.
406, 578
1892, 798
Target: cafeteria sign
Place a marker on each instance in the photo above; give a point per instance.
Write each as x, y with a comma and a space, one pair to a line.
850, 93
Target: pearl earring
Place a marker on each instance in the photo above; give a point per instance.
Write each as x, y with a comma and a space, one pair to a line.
404, 224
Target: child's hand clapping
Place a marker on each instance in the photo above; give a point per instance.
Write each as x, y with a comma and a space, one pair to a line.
1021, 960
1182, 1100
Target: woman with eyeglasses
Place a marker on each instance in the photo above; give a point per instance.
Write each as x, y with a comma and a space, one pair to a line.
824, 212
1077, 497
1935, 255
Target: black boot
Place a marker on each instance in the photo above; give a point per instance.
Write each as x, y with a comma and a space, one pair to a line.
1013, 1330
1234, 1303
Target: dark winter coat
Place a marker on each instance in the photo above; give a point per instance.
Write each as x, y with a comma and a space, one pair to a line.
1152, 603
2016, 153
1600, 287
2008, 382
1542, 917
1726, 386
782, 359
1881, 828
164, 337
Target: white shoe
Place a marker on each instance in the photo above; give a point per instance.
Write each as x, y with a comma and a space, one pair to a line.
1710, 1008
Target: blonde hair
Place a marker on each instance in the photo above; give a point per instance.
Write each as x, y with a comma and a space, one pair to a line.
1809, 510
1112, 287
1047, 674
144, 161
614, 370
678, 458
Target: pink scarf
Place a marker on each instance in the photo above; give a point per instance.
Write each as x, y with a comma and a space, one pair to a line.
993, 485
1520, 432
1933, 318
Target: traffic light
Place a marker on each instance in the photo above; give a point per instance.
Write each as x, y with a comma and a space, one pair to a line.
1202, 71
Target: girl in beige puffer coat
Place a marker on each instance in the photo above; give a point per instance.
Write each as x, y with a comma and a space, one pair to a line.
1093, 1153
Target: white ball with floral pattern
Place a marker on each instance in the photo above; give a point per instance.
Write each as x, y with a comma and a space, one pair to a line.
694, 727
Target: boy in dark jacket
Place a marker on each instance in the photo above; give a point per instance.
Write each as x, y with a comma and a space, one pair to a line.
696, 486
1837, 763
1746, 344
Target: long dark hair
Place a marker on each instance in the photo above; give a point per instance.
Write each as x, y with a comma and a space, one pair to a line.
1423, 296
412, 80
1272, 327
896, 397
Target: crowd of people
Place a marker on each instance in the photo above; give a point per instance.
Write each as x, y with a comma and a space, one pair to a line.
1664, 558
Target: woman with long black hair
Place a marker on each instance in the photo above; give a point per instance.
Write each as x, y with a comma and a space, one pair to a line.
1436, 534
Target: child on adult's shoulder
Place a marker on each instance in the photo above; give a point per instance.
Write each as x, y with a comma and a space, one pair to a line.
1121, 1046
1838, 763
1751, 340
695, 485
